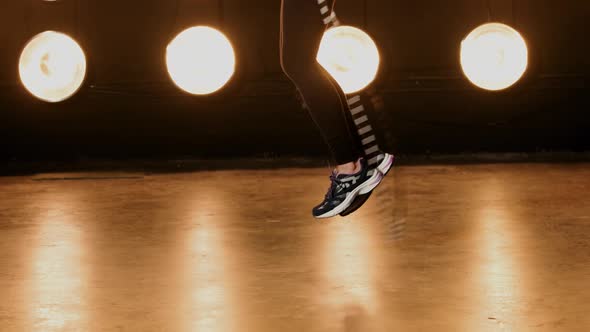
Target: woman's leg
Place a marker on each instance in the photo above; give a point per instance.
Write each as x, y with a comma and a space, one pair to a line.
302, 29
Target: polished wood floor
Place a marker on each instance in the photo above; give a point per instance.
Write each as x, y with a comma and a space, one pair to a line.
437, 248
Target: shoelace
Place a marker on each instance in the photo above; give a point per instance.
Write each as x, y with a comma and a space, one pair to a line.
335, 184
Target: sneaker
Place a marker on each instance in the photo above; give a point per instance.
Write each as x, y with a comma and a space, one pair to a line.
345, 188
384, 168
386, 164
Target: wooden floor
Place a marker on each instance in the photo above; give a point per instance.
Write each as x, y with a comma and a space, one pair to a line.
437, 248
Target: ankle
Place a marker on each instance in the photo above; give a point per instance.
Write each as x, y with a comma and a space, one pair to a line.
349, 168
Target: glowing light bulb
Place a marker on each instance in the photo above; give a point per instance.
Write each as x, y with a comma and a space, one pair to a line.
200, 60
350, 56
494, 56
52, 66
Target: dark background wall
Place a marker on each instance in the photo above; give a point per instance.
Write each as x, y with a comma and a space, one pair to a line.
129, 108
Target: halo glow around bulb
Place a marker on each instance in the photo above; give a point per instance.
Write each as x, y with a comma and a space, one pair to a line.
350, 56
200, 60
52, 66
494, 56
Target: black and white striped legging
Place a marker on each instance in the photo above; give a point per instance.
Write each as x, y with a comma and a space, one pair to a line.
302, 28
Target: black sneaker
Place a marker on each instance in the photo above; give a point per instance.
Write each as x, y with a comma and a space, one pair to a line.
384, 167
345, 188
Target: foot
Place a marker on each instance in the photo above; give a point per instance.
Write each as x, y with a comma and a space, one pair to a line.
384, 167
345, 188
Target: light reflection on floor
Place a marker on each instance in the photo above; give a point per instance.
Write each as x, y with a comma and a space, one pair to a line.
347, 263
496, 272
58, 281
208, 301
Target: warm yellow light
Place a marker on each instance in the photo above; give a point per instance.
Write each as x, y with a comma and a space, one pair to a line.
494, 56
200, 60
350, 56
52, 66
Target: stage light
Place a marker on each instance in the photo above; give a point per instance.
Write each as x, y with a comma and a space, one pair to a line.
494, 56
52, 66
350, 56
200, 60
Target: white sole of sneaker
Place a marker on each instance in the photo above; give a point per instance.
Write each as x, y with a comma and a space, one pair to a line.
367, 186
383, 168
386, 164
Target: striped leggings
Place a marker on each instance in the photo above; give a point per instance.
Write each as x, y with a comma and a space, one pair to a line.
302, 26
